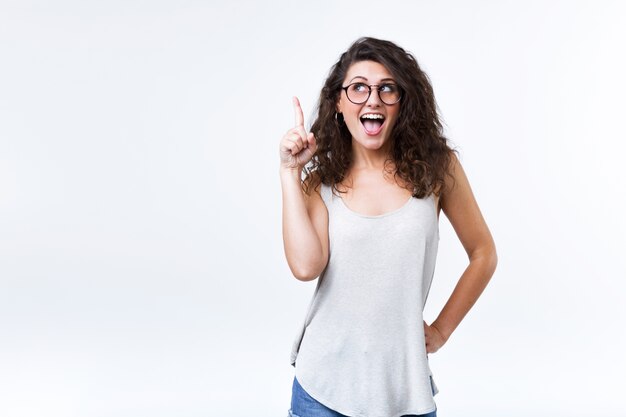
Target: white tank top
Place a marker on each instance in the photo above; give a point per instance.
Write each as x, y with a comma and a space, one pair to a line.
361, 349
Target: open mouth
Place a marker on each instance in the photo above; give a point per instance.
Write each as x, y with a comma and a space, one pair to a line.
373, 123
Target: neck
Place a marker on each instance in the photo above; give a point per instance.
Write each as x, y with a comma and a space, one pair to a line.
370, 159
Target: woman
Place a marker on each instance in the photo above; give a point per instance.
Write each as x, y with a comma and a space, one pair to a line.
378, 171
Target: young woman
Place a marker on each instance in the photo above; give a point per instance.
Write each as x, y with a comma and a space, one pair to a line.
378, 171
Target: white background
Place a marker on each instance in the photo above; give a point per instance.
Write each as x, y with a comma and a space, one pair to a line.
141, 263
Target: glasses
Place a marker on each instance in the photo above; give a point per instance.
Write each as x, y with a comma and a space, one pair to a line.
359, 93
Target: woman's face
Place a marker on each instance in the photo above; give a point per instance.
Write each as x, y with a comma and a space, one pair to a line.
371, 122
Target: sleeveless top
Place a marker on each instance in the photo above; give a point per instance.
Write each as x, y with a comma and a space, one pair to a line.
361, 350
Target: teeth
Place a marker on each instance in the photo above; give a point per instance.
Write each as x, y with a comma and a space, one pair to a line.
372, 116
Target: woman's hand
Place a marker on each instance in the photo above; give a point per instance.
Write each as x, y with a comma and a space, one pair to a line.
297, 147
434, 338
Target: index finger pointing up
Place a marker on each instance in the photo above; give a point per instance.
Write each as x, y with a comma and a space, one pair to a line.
298, 111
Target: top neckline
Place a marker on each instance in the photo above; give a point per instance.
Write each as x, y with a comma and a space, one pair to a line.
378, 216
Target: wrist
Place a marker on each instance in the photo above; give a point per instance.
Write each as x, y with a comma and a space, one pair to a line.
290, 173
441, 330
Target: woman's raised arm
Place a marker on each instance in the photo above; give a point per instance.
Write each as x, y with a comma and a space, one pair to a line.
305, 219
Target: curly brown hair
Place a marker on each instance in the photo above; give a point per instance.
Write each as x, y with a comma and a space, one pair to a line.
420, 152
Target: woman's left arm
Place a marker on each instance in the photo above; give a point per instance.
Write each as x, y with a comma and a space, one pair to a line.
460, 207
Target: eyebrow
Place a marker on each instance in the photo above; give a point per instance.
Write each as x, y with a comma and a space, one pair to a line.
384, 79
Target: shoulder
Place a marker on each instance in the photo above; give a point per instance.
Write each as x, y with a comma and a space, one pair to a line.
453, 175
457, 199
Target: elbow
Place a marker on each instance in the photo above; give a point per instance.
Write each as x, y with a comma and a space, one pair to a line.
487, 257
492, 260
306, 272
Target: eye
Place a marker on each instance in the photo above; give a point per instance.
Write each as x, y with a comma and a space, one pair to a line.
359, 87
389, 88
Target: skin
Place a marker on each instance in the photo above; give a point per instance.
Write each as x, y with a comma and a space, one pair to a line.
371, 191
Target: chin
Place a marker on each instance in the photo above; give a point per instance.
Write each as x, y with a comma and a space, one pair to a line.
371, 143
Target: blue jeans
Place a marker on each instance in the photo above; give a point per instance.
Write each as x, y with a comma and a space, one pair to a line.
303, 405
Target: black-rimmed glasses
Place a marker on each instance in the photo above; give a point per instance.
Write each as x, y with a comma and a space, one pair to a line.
359, 93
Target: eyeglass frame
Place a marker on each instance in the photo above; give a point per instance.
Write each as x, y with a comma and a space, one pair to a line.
369, 94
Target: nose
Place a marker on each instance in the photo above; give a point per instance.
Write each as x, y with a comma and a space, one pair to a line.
374, 100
